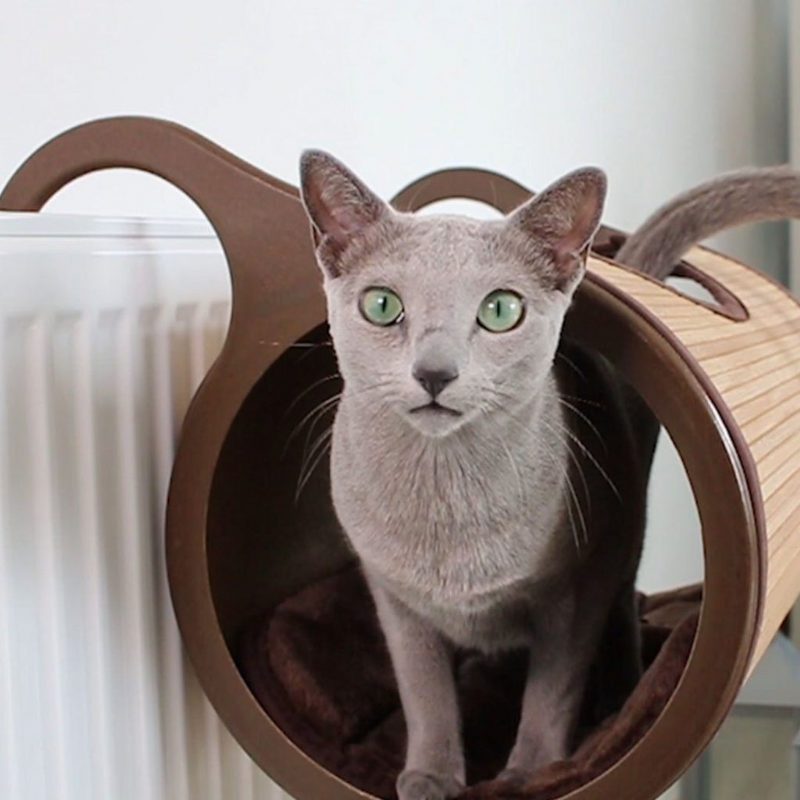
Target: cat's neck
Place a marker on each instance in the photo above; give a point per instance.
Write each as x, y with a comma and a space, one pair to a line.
462, 515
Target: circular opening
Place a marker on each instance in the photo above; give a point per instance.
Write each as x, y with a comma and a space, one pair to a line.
260, 549
294, 611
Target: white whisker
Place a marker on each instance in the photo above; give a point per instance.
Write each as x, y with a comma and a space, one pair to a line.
585, 419
308, 388
310, 471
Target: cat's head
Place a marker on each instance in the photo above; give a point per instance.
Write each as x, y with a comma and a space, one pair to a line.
442, 319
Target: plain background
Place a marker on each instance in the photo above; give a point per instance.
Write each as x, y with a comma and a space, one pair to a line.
661, 94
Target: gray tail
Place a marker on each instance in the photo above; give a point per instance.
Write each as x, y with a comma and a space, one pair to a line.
734, 198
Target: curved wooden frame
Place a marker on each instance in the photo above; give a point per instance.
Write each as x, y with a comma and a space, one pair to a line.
276, 300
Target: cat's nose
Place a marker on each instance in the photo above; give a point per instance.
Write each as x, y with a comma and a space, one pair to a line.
434, 380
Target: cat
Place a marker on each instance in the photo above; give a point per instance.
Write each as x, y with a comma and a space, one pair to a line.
484, 506
451, 457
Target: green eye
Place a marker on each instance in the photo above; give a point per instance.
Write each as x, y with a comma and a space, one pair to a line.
500, 311
381, 306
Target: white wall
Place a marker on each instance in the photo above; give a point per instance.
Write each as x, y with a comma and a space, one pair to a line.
660, 93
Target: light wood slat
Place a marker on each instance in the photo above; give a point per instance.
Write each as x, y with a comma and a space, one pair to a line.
748, 413
732, 383
777, 461
730, 339
764, 424
782, 528
784, 534
712, 321
728, 270
750, 389
779, 503
783, 495
769, 442
706, 323
772, 351
754, 307
781, 547
782, 569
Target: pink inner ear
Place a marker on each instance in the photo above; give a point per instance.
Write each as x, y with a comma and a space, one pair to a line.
342, 210
346, 220
570, 249
563, 218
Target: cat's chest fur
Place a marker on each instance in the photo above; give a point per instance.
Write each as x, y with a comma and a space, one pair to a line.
461, 529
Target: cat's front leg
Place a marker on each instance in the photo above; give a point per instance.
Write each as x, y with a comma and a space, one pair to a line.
557, 671
423, 666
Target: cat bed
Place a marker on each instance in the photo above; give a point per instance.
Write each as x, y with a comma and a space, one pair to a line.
723, 376
333, 693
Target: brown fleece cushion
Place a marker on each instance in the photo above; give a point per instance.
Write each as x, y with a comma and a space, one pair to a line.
318, 665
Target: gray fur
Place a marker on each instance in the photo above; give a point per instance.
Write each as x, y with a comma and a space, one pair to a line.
462, 521
747, 195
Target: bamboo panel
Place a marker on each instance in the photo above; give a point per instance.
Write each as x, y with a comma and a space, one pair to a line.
754, 364
770, 353
749, 413
765, 446
782, 536
727, 341
750, 382
781, 498
760, 426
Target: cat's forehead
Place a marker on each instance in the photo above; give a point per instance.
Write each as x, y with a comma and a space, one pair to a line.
445, 234
441, 242
431, 250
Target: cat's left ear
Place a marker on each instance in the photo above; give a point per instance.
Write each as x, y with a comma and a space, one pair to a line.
564, 219
340, 206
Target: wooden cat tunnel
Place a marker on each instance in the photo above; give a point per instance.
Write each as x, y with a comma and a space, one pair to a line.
723, 378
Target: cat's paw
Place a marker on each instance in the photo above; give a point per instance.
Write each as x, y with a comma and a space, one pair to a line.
416, 785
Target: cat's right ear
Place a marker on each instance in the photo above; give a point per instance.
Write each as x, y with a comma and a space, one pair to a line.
564, 218
339, 205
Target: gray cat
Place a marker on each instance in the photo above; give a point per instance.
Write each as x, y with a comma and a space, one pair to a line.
462, 475
452, 467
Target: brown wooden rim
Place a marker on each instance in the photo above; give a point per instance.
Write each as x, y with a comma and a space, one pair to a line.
264, 234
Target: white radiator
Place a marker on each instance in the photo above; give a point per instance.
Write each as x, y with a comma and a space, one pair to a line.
108, 326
